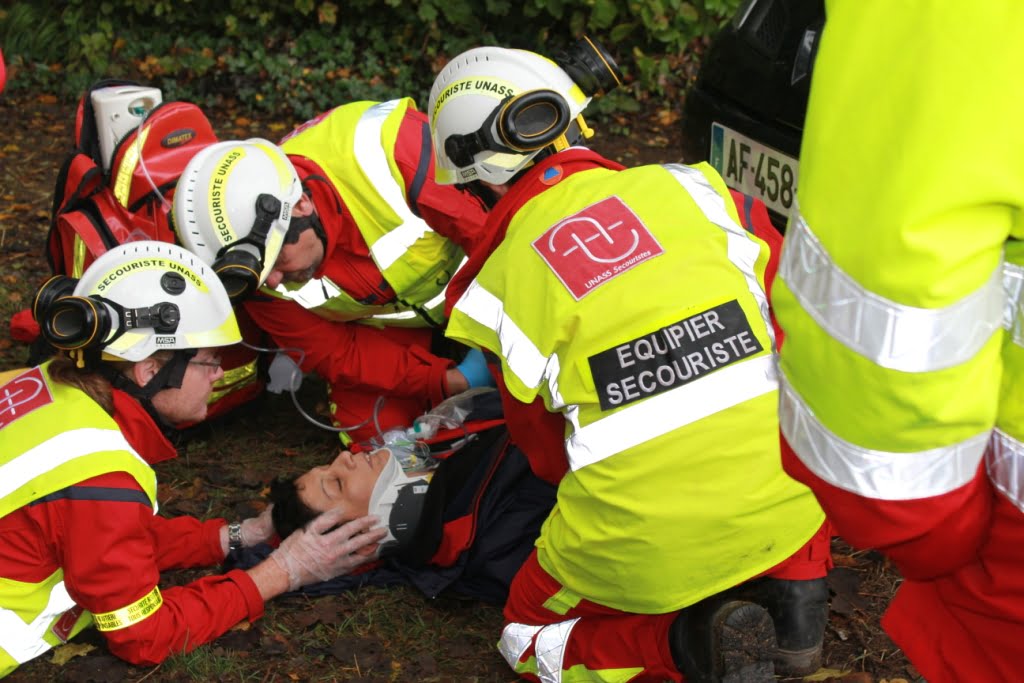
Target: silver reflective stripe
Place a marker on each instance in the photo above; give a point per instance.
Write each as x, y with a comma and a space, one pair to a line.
743, 252
550, 650
894, 336
515, 640
373, 160
663, 413
1013, 314
58, 450
1005, 464
523, 358
659, 414
875, 474
319, 292
399, 315
312, 294
24, 641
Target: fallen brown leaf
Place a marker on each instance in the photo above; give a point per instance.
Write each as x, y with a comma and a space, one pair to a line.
857, 677
65, 653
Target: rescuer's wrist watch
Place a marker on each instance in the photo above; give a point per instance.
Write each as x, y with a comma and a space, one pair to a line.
234, 536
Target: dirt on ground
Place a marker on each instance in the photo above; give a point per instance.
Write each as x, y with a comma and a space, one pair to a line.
374, 634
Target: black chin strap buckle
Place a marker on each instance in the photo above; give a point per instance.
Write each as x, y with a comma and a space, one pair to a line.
268, 209
163, 318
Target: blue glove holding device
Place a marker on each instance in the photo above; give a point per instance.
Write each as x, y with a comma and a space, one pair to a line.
474, 368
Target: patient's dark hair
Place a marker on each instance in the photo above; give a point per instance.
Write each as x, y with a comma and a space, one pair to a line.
289, 512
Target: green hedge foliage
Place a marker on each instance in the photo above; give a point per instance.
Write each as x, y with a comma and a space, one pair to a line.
300, 57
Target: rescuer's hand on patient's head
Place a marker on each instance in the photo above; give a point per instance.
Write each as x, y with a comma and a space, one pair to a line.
256, 530
320, 552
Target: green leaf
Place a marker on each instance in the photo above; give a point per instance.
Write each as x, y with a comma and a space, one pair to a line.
688, 12
427, 13
604, 13
620, 31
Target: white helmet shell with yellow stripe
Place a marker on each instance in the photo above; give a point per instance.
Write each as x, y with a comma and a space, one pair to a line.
139, 275
467, 92
215, 201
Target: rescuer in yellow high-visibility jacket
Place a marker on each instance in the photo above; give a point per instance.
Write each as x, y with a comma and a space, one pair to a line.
355, 268
82, 543
902, 401
630, 305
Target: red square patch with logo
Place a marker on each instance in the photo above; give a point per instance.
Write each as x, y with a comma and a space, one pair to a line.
596, 245
62, 627
22, 395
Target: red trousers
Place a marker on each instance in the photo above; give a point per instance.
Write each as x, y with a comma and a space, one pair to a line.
549, 629
968, 625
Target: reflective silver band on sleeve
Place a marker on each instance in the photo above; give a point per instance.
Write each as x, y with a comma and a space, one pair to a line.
894, 336
522, 357
881, 475
1005, 465
58, 450
1013, 314
311, 294
373, 160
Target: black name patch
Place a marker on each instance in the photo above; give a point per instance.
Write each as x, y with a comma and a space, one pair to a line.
673, 355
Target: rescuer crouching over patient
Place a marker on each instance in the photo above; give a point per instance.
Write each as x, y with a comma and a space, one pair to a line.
82, 544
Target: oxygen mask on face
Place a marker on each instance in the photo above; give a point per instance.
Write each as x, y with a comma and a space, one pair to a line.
412, 455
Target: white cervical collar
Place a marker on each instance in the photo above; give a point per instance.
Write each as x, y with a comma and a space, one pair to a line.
385, 493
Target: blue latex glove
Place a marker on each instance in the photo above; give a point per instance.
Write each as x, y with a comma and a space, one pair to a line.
474, 368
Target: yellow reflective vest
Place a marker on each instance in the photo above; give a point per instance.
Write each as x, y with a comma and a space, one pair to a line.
633, 303
53, 436
354, 144
900, 293
902, 263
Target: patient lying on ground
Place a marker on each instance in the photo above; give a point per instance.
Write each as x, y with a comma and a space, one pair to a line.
356, 483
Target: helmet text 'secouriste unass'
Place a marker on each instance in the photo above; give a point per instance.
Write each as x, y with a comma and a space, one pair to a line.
492, 109
136, 299
232, 208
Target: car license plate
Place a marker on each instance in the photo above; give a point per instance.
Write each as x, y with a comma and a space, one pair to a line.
753, 168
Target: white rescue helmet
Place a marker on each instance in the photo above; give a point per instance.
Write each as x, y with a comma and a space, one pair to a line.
493, 109
232, 208
136, 299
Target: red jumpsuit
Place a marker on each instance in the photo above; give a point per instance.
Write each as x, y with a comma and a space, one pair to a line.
602, 637
103, 533
358, 361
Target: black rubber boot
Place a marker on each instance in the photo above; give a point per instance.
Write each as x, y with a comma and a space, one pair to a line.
799, 610
720, 640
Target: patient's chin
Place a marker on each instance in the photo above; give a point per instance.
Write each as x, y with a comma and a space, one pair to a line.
369, 550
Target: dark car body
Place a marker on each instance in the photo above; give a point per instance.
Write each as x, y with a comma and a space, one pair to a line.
745, 112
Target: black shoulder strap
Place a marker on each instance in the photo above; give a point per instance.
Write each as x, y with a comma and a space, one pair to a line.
421, 170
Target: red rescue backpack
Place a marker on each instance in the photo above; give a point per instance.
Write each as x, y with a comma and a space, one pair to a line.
95, 210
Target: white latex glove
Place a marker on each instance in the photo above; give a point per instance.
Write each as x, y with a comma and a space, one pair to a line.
256, 530
310, 555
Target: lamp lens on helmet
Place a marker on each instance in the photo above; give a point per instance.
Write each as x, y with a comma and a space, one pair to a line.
590, 66
75, 322
526, 123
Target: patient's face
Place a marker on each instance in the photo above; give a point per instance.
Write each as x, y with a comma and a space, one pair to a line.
347, 483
